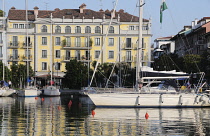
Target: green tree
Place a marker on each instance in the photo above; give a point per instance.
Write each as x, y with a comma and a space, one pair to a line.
126, 74
76, 75
102, 74
2, 13
15, 76
19, 75
7, 74
191, 62
205, 65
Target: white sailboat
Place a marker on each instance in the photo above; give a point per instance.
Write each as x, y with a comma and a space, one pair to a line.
51, 90
146, 99
29, 91
5, 90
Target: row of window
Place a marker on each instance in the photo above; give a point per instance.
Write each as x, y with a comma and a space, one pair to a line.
21, 26
78, 56
44, 29
58, 53
77, 41
57, 66
15, 52
145, 27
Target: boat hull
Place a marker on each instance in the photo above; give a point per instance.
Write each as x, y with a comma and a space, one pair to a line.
134, 100
28, 92
6, 92
51, 91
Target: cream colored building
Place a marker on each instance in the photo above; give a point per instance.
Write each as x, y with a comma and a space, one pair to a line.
55, 37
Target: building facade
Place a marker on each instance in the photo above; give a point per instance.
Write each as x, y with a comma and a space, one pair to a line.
53, 38
163, 45
193, 39
3, 49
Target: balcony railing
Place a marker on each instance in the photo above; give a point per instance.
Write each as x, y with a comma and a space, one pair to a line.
130, 46
25, 46
13, 58
13, 45
25, 58
200, 42
128, 59
80, 46
82, 58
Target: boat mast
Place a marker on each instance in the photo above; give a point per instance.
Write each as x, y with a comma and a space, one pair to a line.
88, 60
26, 1
3, 8
139, 47
51, 57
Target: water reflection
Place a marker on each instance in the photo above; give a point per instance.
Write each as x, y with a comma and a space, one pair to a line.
71, 116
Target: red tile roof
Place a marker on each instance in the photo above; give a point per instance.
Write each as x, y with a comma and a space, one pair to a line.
15, 14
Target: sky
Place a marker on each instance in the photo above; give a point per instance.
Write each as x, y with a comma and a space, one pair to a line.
179, 13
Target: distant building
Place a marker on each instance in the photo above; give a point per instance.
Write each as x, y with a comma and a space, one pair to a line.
163, 45
193, 39
3, 49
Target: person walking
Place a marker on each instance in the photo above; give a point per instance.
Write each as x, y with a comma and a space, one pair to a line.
10, 84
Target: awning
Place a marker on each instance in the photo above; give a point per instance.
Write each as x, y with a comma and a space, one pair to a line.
48, 75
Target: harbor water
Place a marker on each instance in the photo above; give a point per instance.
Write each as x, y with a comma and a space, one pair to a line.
67, 115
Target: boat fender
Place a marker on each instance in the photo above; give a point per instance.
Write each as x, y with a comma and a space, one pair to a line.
201, 98
196, 99
180, 100
146, 116
161, 98
138, 103
93, 113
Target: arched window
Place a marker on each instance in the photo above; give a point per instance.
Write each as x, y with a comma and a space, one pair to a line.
44, 28
111, 29
57, 29
97, 29
78, 29
87, 29
68, 29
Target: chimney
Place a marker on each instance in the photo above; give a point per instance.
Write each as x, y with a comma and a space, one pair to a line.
193, 24
196, 21
82, 7
13, 8
36, 11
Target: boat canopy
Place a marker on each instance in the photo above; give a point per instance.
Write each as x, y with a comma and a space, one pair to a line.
149, 73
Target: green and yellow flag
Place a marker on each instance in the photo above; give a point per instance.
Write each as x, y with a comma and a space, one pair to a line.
162, 8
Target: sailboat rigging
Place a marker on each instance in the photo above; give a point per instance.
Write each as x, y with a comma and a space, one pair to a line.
155, 98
